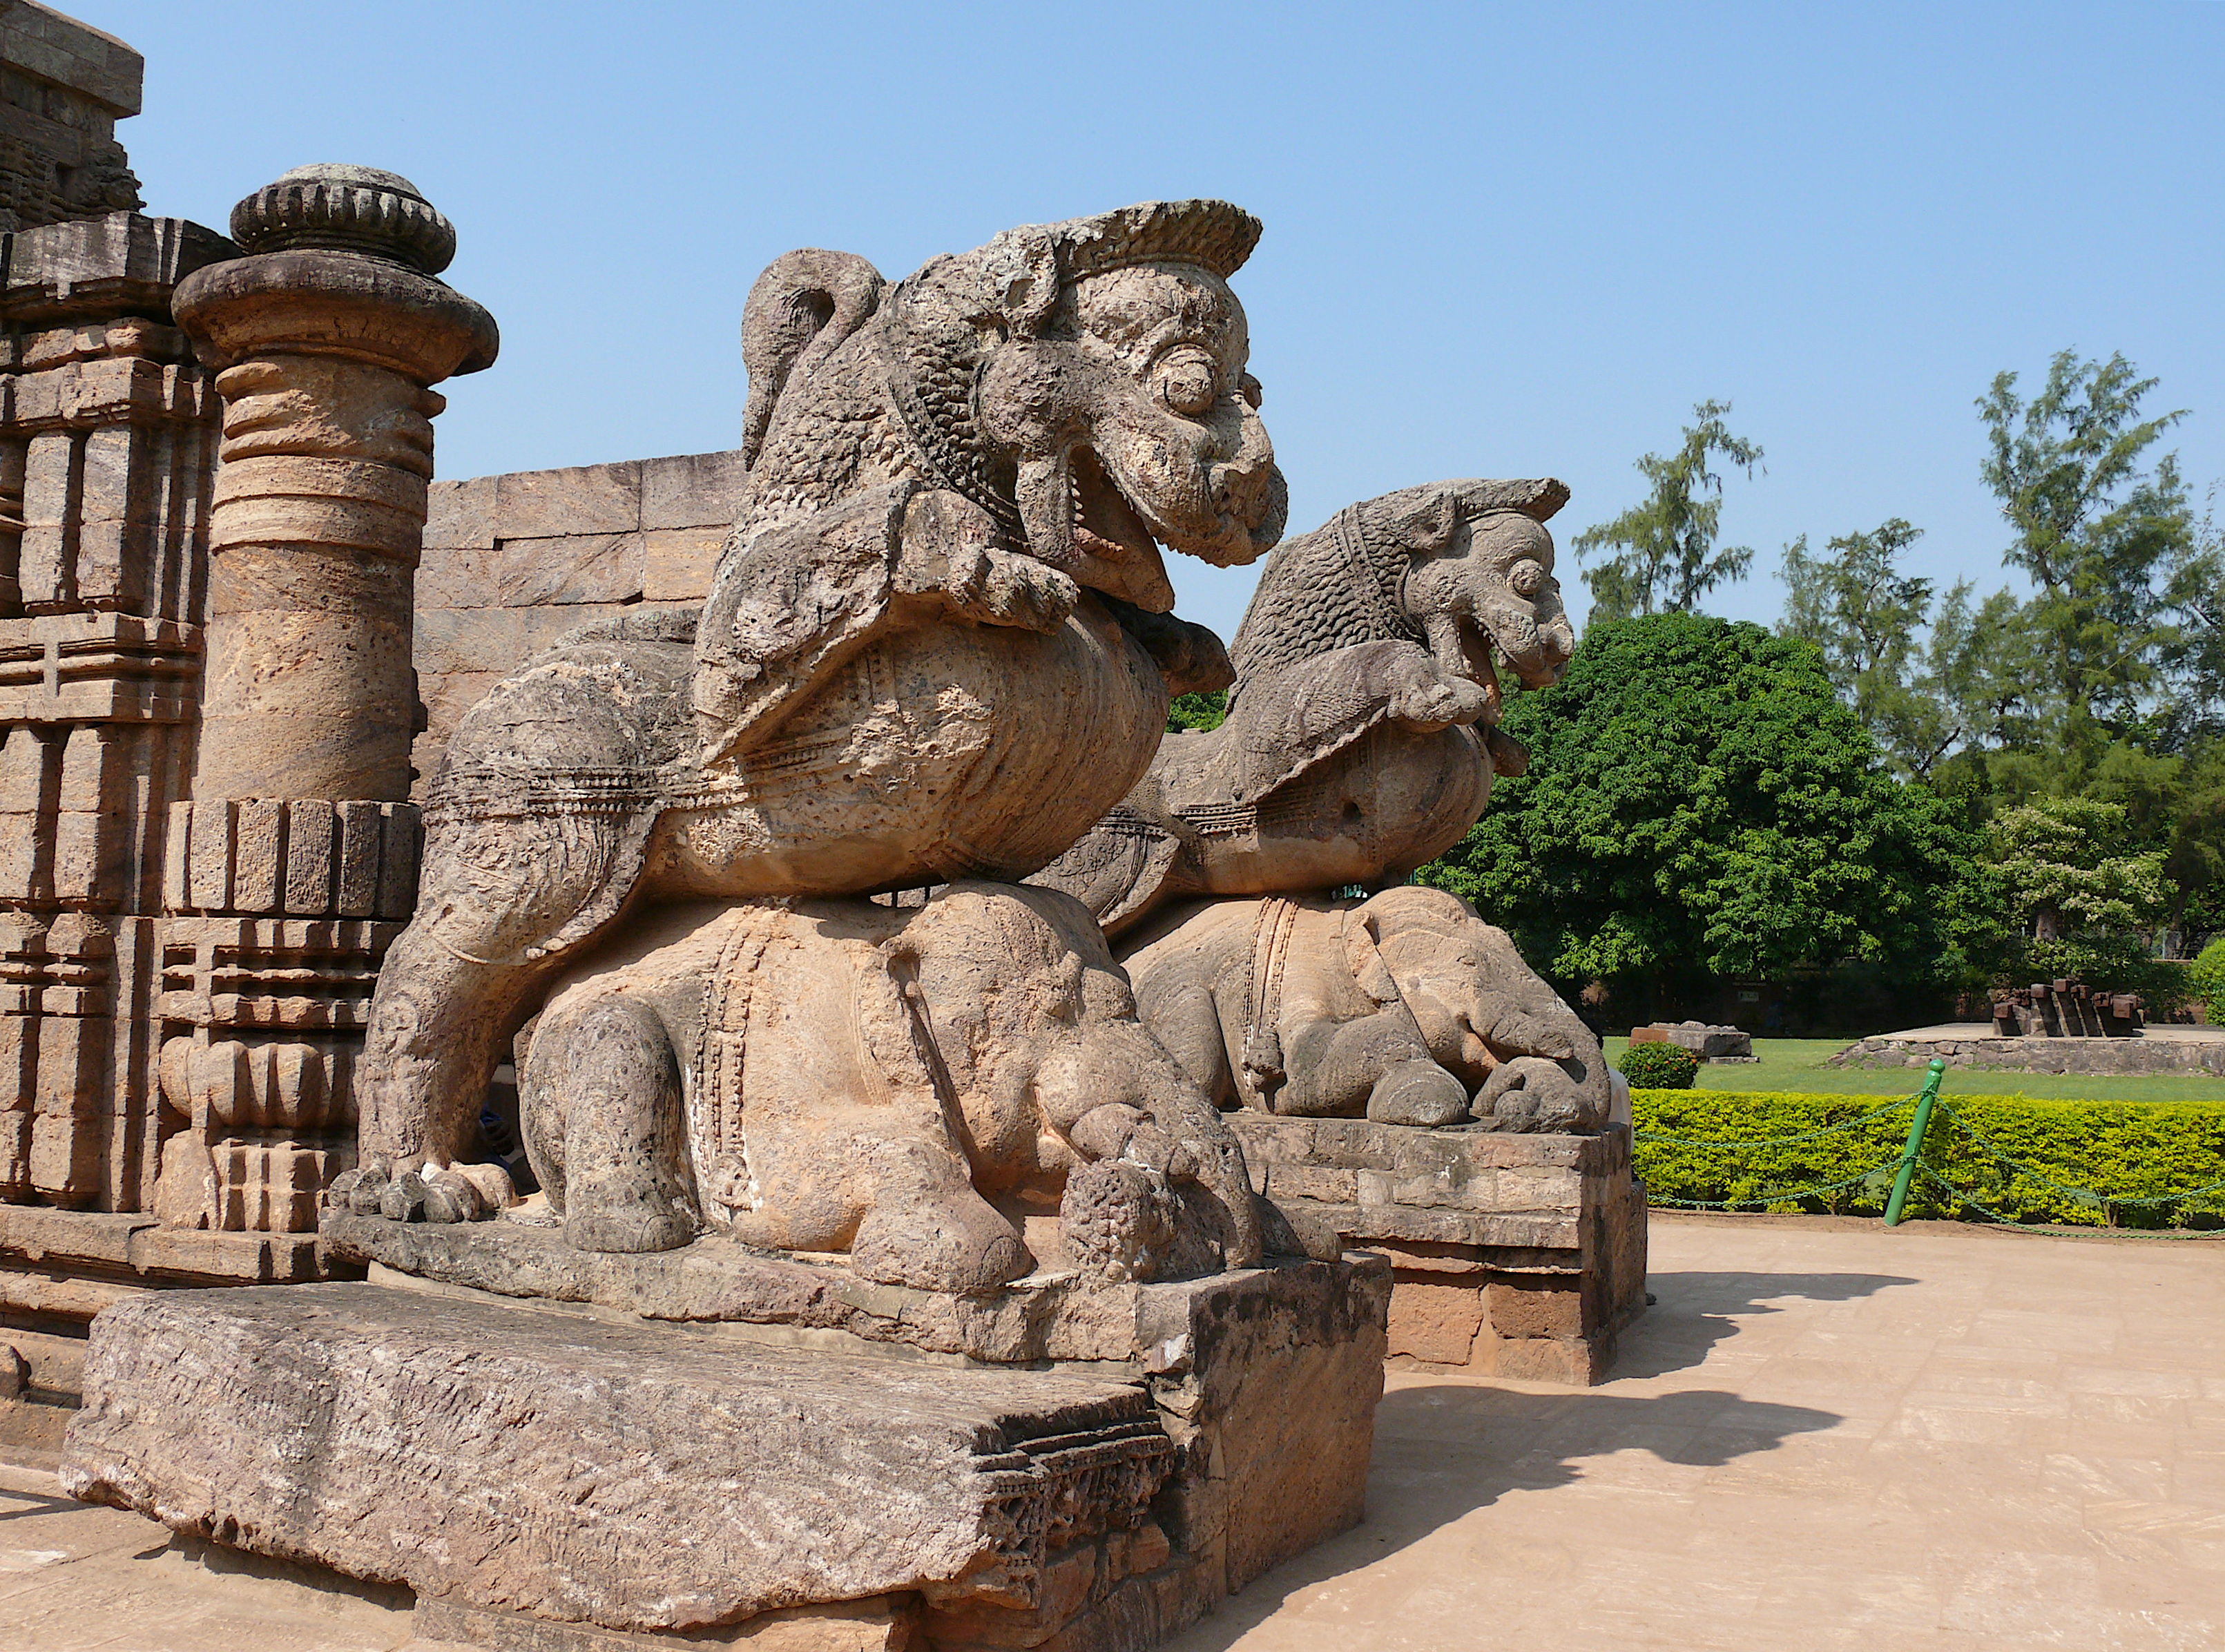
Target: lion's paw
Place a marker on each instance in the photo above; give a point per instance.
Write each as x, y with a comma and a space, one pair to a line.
997, 587
1429, 699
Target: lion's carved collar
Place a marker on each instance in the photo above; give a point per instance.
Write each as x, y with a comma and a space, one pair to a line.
934, 399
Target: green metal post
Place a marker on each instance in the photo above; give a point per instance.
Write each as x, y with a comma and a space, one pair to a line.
1915, 1142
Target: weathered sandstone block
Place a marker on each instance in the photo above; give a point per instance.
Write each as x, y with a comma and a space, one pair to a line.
526, 1467
1513, 1255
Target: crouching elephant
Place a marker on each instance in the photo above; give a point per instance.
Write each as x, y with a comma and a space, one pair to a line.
906, 1084
1406, 1008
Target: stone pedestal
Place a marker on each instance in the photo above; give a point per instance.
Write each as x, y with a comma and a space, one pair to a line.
554, 1475
1511, 1256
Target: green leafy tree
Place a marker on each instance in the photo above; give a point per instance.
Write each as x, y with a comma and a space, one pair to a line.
2066, 866
2101, 530
1868, 618
2207, 978
1208, 710
1700, 803
1662, 554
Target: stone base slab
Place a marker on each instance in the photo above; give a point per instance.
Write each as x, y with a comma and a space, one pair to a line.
880, 1624
1058, 1316
58, 1269
1511, 1256
551, 1466
2152, 1051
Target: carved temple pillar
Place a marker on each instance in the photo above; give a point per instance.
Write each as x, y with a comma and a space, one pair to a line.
295, 862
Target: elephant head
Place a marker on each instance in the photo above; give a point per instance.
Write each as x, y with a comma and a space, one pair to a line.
1486, 1016
1478, 580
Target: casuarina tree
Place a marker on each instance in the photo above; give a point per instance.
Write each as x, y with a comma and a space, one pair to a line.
1661, 554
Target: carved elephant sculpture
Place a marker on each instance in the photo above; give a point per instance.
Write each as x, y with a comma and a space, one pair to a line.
1405, 1008
906, 1084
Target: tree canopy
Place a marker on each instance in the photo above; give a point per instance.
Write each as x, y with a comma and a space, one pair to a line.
1699, 801
1664, 549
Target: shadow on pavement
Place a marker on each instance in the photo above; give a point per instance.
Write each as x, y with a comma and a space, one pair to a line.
1694, 1312
1444, 1449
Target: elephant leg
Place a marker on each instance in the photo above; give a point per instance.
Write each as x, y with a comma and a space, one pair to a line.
602, 1097
1376, 1066
928, 1226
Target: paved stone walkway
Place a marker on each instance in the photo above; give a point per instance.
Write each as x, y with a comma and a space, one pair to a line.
1826, 1435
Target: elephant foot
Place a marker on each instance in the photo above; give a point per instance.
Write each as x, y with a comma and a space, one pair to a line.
431, 1192
955, 1242
1417, 1092
625, 1218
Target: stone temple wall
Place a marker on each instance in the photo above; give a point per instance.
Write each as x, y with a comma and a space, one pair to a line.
63, 87
108, 455
513, 562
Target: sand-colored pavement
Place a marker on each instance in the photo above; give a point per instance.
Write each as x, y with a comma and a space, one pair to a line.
1824, 1435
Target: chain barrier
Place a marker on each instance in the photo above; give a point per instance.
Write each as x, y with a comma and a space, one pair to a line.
1908, 1165
1871, 1175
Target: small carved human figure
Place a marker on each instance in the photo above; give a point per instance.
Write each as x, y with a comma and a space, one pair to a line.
946, 586
906, 1084
1406, 1008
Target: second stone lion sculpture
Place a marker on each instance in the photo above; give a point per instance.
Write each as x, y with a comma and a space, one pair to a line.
936, 649
1361, 741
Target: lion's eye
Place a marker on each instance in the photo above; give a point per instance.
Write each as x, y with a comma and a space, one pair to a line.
1527, 577
1189, 384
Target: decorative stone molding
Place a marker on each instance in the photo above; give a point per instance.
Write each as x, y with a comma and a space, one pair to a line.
295, 863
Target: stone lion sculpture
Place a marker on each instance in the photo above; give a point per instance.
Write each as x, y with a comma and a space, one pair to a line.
1405, 1008
936, 649
1361, 743
908, 1084
1362, 729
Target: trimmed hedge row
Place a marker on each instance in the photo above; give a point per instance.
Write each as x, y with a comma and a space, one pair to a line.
2115, 1150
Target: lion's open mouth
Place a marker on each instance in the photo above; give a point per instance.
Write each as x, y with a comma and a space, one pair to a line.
1115, 549
1462, 648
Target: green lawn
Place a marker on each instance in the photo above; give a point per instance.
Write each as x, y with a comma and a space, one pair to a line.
1798, 1065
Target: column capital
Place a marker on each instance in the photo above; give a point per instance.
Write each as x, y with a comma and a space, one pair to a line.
342, 261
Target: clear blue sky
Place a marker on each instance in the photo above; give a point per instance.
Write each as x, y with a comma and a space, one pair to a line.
1500, 240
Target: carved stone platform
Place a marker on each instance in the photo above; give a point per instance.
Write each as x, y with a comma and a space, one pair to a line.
552, 1475
58, 1269
1513, 1255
